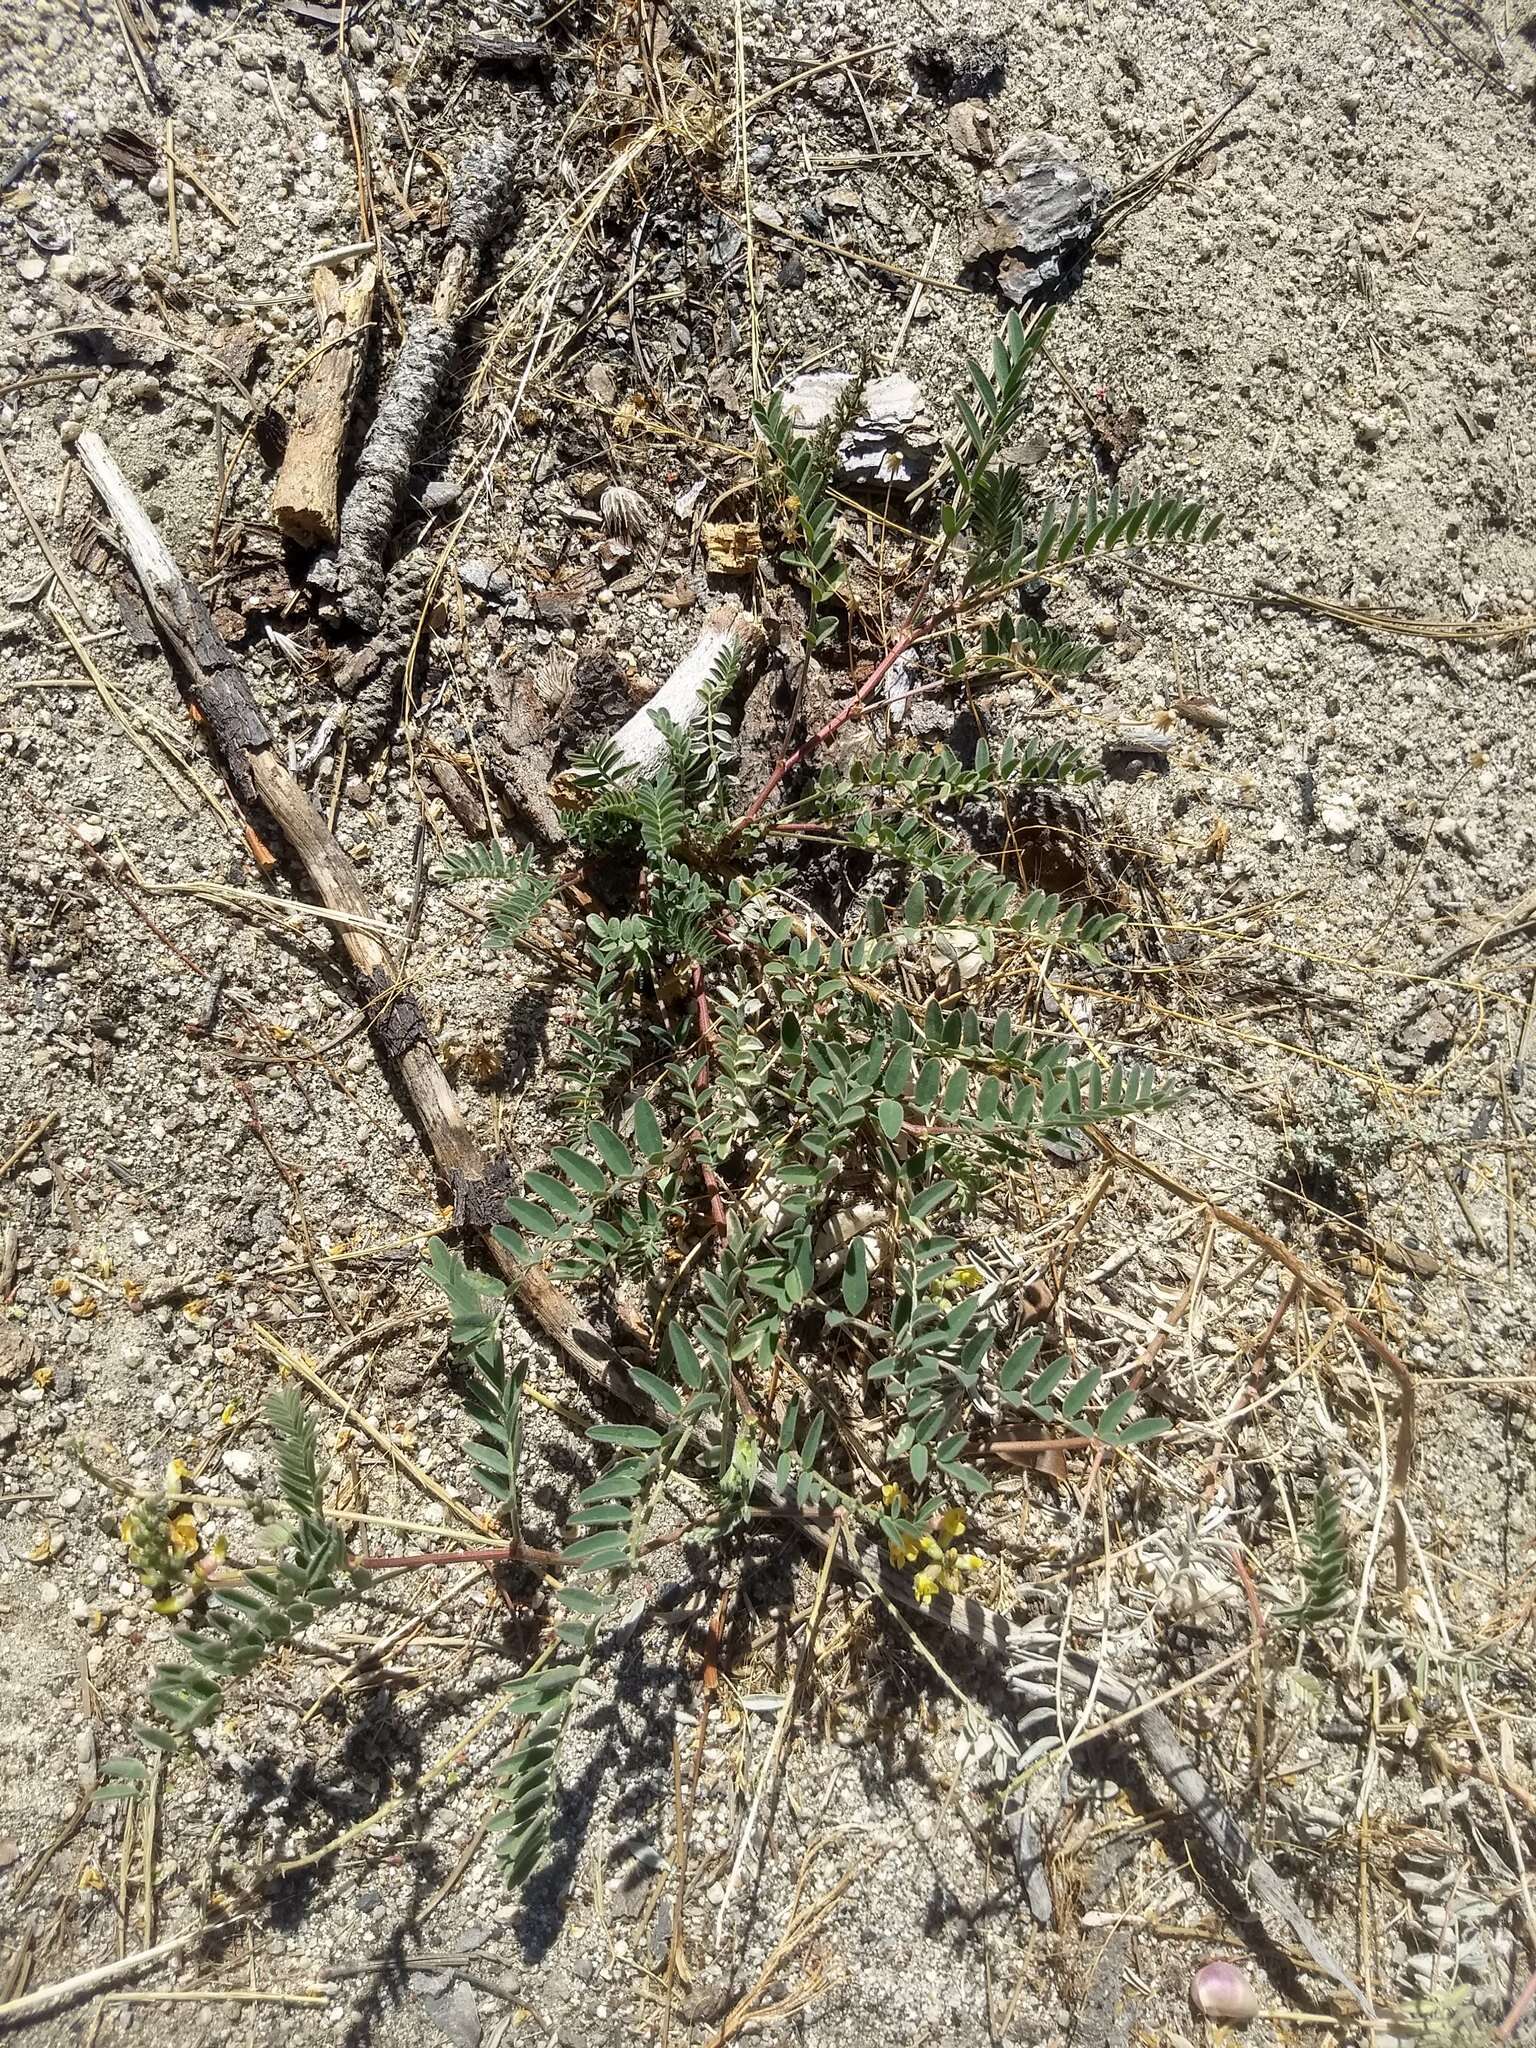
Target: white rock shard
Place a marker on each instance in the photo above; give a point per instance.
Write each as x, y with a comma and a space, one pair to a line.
892, 439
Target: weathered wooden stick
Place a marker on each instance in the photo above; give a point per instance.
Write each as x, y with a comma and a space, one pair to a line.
307, 493
36, 2005
639, 740
256, 771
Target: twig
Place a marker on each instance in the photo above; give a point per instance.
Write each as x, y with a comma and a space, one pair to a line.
240, 1994
259, 777
749, 237
446, 1762
1324, 1292
170, 191
877, 675
915, 300
42, 540
1470, 632
1518, 2010
138, 57
28, 1141
800, 1925
69, 1990
19, 166
1140, 189
768, 1780
1520, 919
295, 1362
118, 714
224, 212
495, 1553
305, 496
711, 1684
985, 1630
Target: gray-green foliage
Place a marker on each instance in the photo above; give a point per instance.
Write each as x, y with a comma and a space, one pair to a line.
1325, 1575
786, 1133
492, 1386
1445, 2020
758, 1074
791, 1133
251, 1613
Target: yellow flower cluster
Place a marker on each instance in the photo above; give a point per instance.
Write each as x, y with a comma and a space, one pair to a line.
165, 1544
946, 1563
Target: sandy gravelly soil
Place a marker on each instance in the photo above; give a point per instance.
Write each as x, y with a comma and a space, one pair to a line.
1325, 326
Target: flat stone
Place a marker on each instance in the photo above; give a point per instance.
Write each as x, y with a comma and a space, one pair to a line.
1134, 751
455, 2011
890, 440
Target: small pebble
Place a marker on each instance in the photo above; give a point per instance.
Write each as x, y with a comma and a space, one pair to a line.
1220, 1991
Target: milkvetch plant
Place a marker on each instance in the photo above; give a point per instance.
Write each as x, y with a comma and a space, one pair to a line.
797, 1102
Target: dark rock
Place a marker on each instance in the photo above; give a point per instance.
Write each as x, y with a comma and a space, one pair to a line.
457, 2013
1039, 225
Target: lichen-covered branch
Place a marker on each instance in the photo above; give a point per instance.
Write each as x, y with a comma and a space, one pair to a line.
218, 686
483, 201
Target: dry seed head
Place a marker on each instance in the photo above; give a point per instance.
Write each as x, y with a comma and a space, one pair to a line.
554, 679
625, 512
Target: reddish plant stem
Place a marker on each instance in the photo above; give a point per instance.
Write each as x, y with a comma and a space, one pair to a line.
1517, 2011
496, 1553
716, 1196
1255, 1377
708, 1038
1250, 1594
905, 640
1327, 1296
